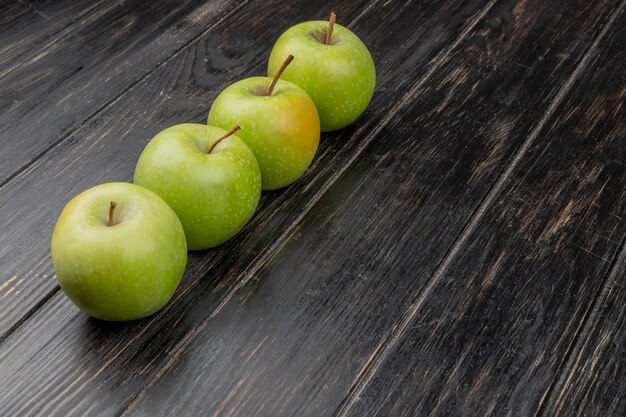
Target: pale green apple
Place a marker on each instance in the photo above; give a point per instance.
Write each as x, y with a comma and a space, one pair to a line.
339, 76
118, 251
282, 129
214, 191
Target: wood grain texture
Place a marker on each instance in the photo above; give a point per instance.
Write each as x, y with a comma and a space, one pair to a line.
293, 340
593, 385
72, 78
494, 328
286, 317
29, 27
98, 353
593, 382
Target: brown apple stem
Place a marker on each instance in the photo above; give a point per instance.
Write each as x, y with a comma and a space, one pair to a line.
278, 74
331, 23
111, 222
230, 132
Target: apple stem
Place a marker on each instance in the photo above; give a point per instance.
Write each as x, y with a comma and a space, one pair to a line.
278, 74
230, 132
111, 222
331, 23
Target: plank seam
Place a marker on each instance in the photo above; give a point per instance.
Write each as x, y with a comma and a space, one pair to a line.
29, 314
117, 97
385, 347
572, 356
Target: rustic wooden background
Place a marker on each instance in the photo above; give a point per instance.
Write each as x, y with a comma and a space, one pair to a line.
459, 251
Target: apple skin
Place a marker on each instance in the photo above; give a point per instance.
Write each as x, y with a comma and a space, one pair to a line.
283, 130
340, 77
214, 195
122, 272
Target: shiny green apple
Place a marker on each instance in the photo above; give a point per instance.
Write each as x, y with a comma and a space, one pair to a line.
282, 128
333, 66
118, 251
207, 175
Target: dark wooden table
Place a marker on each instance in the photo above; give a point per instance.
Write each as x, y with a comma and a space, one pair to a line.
459, 251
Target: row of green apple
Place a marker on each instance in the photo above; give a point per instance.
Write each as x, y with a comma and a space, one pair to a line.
119, 250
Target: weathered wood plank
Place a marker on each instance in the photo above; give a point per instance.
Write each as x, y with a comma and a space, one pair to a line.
69, 338
492, 330
64, 84
292, 341
100, 354
593, 383
27, 28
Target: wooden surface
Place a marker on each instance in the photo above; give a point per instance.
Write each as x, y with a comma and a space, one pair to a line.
458, 251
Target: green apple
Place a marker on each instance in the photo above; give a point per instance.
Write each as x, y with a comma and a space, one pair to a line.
207, 175
334, 67
118, 251
279, 123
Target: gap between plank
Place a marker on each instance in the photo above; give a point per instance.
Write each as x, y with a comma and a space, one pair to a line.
29, 314
572, 355
117, 97
248, 274
386, 346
